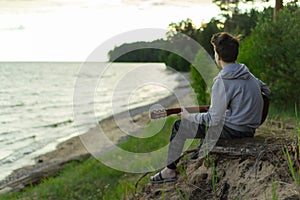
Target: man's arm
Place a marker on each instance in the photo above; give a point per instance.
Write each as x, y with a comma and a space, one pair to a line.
216, 112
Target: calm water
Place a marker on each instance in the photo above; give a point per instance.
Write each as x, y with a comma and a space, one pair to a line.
36, 102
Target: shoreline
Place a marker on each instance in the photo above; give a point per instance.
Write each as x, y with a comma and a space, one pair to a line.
73, 149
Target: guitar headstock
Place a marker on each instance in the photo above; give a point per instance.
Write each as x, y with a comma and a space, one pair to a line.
155, 114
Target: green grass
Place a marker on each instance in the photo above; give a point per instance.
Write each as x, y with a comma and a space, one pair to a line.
90, 179
86, 180
283, 114
159, 140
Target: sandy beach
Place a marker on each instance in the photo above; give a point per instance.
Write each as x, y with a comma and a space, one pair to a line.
73, 149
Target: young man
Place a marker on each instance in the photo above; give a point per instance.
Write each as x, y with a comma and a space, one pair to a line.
236, 106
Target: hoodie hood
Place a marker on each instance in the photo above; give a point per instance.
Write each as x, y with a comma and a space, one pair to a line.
235, 71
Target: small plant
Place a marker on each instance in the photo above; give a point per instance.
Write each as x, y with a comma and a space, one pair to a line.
295, 170
274, 190
266, 197
181, 195
214, 177
182, 171
163, 192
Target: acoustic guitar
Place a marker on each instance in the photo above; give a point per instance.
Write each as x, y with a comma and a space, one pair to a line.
155, 114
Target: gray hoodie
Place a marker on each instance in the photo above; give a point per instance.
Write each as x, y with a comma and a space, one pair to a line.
236, 100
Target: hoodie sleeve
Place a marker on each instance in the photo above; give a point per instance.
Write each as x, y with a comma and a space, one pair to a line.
216, 112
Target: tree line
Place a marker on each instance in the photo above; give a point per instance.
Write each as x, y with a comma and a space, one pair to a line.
269, 47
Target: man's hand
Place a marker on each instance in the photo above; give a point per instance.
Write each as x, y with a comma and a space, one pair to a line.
184, 114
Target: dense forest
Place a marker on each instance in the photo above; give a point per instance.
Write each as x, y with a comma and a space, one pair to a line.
269, 47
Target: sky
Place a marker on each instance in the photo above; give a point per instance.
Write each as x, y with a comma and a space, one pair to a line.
70, 30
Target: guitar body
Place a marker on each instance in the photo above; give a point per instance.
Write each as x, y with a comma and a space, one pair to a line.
265, 108
155, 114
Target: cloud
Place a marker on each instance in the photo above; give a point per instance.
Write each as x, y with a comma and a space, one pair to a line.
176, 3
20, 27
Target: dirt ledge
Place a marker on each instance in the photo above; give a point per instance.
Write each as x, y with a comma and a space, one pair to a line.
244, 169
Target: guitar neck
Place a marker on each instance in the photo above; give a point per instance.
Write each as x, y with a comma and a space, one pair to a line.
199, 109
155, 114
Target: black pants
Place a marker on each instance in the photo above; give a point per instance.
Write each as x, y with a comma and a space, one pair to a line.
184, 129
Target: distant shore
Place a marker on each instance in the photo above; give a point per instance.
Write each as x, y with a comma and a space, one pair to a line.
73, 149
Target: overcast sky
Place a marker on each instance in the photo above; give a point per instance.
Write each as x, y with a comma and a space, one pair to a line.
69, 30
